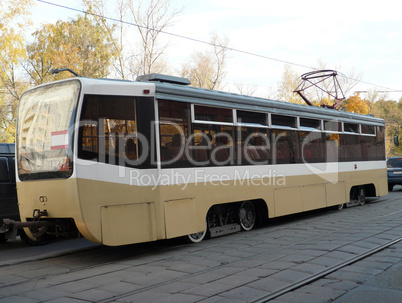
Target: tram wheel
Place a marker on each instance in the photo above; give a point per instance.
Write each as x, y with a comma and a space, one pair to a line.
361, 196
341, 206
247, 215
197, 237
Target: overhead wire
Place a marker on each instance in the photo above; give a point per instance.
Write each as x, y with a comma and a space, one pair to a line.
205, 42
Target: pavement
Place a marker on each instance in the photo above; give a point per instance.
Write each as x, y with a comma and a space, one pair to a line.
16, 251
376, 279
238, 268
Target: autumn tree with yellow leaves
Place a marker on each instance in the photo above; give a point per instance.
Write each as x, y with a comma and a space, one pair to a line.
82, 44
355, 104
13, 18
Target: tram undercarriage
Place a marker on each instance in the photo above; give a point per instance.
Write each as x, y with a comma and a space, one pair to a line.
226, 219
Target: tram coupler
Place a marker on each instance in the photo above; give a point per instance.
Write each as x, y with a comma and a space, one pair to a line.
37, 228
10, 225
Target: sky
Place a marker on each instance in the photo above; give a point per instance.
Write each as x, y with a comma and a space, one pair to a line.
354, 37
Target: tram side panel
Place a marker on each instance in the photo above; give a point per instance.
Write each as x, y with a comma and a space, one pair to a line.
117, 211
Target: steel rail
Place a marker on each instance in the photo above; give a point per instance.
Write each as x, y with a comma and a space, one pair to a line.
325, 272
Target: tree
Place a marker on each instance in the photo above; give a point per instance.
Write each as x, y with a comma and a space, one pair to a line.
391, 112
290, 81
116, 32
142, 54
81, 44
207, 69
244, 89
374, 95
151, 20
356, 105
14, 15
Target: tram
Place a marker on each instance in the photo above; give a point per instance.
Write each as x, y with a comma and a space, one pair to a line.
133, 161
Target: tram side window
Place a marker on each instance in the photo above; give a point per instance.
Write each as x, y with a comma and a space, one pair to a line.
284, 146
351, 128
108, 131
368, 129
205, 113
313, 148
367, 140
252, 118
332, 147
174, 124
368, 147
351, 147
212, 145
253, 146
213, 134
332, 126
283, 121
310, 124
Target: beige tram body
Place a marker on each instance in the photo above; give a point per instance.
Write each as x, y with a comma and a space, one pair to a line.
117, 205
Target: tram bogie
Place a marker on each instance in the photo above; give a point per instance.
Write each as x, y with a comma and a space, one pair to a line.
228, 218
359, 193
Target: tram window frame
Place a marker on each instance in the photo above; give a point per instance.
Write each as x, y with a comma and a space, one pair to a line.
283, 121
222, 149
214, 112
351, 128
308, 124
332, 126
104, 108
368, 129
176, 115
243, 118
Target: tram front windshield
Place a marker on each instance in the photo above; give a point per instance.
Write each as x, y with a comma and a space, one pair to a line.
44, 131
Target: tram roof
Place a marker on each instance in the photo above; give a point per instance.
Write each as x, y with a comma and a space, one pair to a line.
176, 90
183, 93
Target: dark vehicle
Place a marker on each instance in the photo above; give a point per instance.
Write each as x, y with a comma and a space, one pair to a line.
8, 191
394, 170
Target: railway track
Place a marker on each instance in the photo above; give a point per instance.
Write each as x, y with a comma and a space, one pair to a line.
104, 256
326, 272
